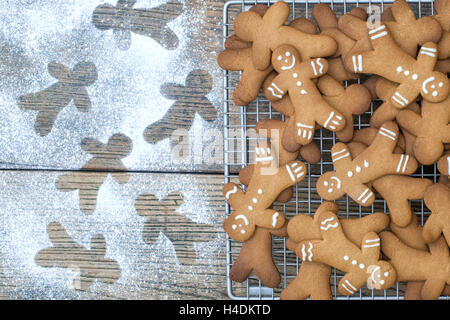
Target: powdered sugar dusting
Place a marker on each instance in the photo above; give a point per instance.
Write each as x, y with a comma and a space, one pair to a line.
126, 97
23, 234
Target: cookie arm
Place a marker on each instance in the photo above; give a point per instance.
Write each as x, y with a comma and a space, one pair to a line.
234, 194
432, 289
427, 56
341, 156
292, 173
370, 246
329, 226
361, 194
313, 68
351, 283
275, 90
404, 95
385, 139
269, 219
410, 121
432, 228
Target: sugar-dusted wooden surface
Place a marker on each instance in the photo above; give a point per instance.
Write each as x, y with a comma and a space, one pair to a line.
190, 264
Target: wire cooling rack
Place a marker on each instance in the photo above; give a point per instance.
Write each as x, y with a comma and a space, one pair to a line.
239, 143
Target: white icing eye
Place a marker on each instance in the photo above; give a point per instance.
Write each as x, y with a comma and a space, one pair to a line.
406, 73
325, 183
234, 227
295, 75
415, 76
441, 84
399, 69
346, 258
382, 282
350, 174
280, 58
288, 54
259, 191
386, 274
299, 83
361, 266
250, 208
435, 93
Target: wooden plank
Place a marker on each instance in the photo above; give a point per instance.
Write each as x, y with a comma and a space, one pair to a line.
158, 236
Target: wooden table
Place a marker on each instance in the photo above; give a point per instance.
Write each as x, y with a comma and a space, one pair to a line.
161, 223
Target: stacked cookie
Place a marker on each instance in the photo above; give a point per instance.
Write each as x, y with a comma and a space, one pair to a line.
301, 71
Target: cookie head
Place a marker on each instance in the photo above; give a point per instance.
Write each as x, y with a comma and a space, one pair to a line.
329, 186
285, 58
381, 276
239, 226
436, 87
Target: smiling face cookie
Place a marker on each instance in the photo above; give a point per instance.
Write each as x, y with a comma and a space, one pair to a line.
285, 58
309, 106
380, 274
435, 87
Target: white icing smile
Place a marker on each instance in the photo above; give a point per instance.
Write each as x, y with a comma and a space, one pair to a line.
289, 67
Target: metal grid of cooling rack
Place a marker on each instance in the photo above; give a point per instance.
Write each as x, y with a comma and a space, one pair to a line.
239, 142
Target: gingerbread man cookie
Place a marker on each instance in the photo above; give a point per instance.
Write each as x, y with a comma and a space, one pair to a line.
387, 111
414, 76
295, 79
360, 264
269, 32
252, 208
313, 279
395, 190
328, 25
251, 79
442, 15
274, 130
353, 100
437, 199
411, 236
351, 175
238, 56
409, 32
256, 256
412, 264
431, 128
